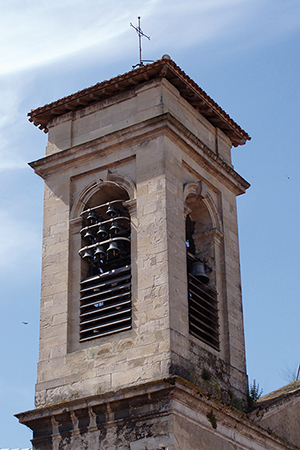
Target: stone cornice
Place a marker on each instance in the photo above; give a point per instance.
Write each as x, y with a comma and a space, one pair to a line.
162, 68
171, 396
151, 127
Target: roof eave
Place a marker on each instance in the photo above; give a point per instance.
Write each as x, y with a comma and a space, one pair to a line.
163, 68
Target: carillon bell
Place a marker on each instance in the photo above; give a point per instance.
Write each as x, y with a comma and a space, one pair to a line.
113, 249
198, 271
88, 255
102, 232
115, 228
100, 252
89, 235
112, 212
92, 218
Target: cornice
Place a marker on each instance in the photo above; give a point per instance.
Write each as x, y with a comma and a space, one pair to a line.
163, 68
130, 136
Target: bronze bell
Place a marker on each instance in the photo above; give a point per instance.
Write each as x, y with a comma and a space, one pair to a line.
92, 218
113, 249
115, 228
102, 232
88, 255
112, 212
89, 235
100, 252
198, 271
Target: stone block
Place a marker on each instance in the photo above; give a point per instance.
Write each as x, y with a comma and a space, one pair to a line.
154, 139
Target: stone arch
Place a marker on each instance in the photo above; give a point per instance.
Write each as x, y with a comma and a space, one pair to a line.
104, 239
203, 225
123, 181
114, 181
199, 191
203, 261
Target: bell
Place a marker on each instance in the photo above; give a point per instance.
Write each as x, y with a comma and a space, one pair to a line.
92, 218
88, 255
115, 228
113, 249
198, 271
112, 212
100, 252
89, 235
102, 232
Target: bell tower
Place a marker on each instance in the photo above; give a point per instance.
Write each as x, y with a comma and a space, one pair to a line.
141, 301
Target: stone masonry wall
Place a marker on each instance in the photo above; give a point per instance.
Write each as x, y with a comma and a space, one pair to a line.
155, 140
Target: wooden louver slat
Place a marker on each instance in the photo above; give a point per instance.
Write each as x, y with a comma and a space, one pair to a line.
106, 314
203, 312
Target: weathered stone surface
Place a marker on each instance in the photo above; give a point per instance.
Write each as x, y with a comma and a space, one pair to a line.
155, 386
169, 414
154, 138
171, 161
278, 412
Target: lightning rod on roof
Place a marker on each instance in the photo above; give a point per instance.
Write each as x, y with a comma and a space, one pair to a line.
140, 34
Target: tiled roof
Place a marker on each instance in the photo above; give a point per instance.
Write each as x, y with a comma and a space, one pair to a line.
163, 68
284, 392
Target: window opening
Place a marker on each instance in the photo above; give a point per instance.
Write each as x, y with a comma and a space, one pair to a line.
202, 299
105, 294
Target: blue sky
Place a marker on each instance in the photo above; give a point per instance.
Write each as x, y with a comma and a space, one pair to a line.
245, 55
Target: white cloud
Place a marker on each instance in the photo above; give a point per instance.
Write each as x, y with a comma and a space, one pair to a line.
10, 124
9, 101
247, 22
8, 163
72, 30
34, 33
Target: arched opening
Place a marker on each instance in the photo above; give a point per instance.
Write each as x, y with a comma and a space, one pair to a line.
202, 296
105, 288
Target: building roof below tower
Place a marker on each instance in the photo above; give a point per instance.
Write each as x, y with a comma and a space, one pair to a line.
163, 68
282, 394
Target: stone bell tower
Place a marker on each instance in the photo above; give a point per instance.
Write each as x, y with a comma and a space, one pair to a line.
141, 312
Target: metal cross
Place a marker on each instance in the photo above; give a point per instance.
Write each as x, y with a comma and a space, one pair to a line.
140, 35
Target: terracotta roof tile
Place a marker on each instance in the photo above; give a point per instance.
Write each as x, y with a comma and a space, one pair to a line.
163, 68
285, 391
